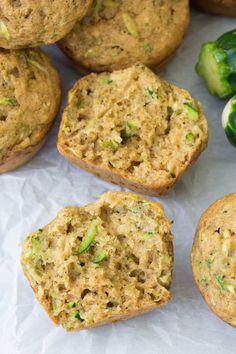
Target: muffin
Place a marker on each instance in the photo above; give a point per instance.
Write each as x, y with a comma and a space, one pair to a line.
214, 258
116, 34
108, 261
217, 7
29, 102
30, 23
131, 128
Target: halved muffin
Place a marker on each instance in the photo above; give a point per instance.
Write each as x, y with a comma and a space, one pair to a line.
107, 261
132, 128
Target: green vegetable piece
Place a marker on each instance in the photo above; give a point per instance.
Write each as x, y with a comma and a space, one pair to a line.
129, 131
36, 245
71, 305
223, 285
125, 135
148, 235
112, 144
229, 121
192, 112
36, 241
89, 237
100, 258
148, 48
133, 210
217, 65
8, 101
105, 79
171, 168
36, 64
209, 262
189, 137
130, 25
115, 51
150, 93
4, 31
130, 125
78, 316
172, 174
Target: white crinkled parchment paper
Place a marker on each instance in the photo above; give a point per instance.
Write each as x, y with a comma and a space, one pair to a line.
31, 196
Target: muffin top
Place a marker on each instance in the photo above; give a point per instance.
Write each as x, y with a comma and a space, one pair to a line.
107, 261
116, 34
133, 124
217, 7
30, 23
214, 257
29, 98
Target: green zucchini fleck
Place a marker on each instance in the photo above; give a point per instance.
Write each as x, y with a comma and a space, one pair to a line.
189, 137
130, 125
4, 31
150, 93
78, 316
172, 172
223, 284
89, 236
35, 64
100, 258
71, 305
8, 101
111, 144
148, 48
193, 113
130, 25
147, 235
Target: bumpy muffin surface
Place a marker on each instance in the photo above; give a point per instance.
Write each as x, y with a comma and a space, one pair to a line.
30, 23
29, 101
116, 34
214, 258
217, 7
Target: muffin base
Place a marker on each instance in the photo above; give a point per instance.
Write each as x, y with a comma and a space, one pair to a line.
214, 8
16, 159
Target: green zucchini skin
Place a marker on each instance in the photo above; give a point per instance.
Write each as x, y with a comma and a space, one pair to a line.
217, 65
229, 121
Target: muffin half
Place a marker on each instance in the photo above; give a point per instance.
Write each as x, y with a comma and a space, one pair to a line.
131, 128
107, 261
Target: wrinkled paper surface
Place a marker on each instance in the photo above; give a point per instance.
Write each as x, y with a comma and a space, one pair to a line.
31, 197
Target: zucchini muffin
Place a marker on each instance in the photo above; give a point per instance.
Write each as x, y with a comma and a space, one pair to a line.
108, 261
118, 33
214, 258
30, 23
29, 102
217, 7
131, 128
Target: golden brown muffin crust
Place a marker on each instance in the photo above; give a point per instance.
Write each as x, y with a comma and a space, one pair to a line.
217, 7
29, 101
116, 34
30, 23
214, 258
